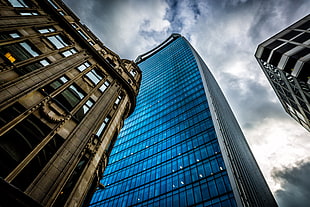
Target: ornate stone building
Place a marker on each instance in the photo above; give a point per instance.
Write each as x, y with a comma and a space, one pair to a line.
63, 99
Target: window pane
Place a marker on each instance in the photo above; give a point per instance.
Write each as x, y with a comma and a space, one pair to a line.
14, 35
83, 66
18, 3
83, 110
46, 30
78, 92
67, 99
52, 3
93, 78
68, 53
9, 35
32, 66
63, 79
133, 73
82, 34
104, 86
29, 173
29, 13
29, 49
18, 142
89, 103
10, 113
44, 62
101, 129
18, 52
54, 85
57, 41
103, 125
118, 100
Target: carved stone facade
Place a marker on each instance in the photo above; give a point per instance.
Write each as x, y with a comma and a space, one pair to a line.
63, 99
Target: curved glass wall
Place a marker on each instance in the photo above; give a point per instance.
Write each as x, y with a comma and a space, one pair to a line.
167, 154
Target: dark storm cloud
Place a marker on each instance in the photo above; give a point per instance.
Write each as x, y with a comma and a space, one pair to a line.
273, 16
227, 35
254, 99
295, 185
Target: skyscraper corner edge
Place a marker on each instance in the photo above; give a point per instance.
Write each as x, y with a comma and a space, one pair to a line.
232, 143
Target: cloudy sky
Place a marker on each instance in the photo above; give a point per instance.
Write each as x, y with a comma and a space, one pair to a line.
226, 34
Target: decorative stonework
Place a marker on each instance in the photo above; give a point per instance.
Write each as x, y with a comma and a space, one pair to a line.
112, 60
52, 112
92, 145
128, 64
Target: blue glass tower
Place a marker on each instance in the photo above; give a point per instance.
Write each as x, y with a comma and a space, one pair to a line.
182, 146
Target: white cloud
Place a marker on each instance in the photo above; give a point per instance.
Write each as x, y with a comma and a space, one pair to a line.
127, 27
277, 143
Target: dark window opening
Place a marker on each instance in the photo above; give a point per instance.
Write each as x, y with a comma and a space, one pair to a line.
301, 53
304, 75
32, 66
294, 58
17, 143
50, 88
67, 189
11, 113
290, 35
9, 35
289, 66
304, 26
110, 61
30, 172
276, 56
269, 48
302, 38
70, 97
79, 115
18, 51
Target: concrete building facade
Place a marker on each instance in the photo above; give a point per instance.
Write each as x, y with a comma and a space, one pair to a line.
63, 99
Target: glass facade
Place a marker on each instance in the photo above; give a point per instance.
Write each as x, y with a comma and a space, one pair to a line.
168, 153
